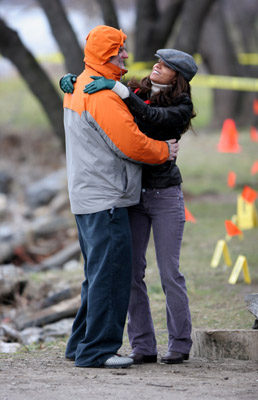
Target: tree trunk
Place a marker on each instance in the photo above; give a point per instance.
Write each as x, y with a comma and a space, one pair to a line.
244, 19
153, 27
64, 35
193, 17
12, 48
109, 13
219, 57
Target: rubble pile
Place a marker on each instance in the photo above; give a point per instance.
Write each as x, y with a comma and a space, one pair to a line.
40, 265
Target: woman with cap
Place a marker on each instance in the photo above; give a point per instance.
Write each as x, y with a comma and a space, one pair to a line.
162, 106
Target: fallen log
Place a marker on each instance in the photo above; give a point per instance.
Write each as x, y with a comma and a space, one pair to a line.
22, 237
60, 258
65, 294
7, 248
12, 283
10, 334
65, 309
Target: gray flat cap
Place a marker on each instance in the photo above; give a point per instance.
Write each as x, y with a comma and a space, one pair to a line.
178, 61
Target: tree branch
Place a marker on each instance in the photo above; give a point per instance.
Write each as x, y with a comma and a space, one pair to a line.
167, 20
193, 16
64, 35
12, 48
109, 13
153, 27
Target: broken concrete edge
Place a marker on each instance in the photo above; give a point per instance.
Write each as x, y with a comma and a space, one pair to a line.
238, 344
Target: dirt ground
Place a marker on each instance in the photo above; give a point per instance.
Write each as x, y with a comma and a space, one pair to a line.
45, 374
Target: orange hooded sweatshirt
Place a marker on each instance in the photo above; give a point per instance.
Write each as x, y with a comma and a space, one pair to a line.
103, 144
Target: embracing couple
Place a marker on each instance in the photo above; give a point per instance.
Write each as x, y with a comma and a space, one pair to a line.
121, 148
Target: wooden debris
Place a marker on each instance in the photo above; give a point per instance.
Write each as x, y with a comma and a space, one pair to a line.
31, 236
10, 334
60, 296
12, 283
60, 258
65, 309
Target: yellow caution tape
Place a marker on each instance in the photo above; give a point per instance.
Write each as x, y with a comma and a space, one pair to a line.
140, 65
248, 58
243, 58
141, 69
138, 74
211, 81
53, 58
226, 82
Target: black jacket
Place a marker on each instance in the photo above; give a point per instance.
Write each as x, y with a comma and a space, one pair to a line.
161, 123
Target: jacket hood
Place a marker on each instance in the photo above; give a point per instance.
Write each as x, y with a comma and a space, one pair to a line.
102, 43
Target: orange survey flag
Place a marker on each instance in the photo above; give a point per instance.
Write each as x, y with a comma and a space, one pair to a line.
255, 106
228, 142
232, 229
254, 134
254, 168
249, 194
189, 216
231, 179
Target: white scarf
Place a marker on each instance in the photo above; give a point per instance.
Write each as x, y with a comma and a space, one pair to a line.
156, 87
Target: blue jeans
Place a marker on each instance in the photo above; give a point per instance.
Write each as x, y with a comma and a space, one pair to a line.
163, 209
98, 327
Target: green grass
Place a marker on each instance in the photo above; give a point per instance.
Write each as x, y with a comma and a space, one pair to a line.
214, 302
202, 100
20, 110
205, 170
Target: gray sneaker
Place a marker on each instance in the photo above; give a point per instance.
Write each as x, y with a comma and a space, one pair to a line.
118, 362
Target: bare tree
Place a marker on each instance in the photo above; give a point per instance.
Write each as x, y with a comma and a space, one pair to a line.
220, 58
244, 35
153, 27
64, 34
245, 18
109, 13
192, 18
180, 22
12, 48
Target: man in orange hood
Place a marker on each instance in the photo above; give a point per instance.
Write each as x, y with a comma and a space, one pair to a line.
104, 150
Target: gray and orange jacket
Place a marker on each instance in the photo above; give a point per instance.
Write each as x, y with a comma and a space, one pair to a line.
104, 147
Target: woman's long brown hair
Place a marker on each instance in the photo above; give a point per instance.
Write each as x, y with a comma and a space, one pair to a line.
170, 95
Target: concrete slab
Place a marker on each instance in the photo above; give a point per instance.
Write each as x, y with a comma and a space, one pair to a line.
239, 344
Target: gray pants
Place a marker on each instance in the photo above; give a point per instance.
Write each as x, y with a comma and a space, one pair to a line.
163, 209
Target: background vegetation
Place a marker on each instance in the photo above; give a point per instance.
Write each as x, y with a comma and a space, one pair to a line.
214, 302
217, 30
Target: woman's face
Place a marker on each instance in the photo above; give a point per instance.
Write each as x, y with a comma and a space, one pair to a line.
162, 74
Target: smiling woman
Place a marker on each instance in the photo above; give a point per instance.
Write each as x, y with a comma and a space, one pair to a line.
162, 74
169, 113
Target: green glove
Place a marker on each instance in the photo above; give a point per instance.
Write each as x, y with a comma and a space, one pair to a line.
66, 83
99, 83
